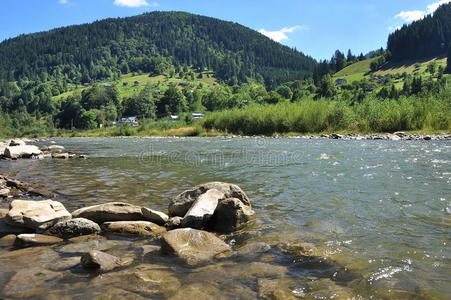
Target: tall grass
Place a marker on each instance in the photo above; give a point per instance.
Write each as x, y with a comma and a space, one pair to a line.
309, 116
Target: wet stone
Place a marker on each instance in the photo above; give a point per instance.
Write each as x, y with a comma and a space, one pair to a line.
32, 239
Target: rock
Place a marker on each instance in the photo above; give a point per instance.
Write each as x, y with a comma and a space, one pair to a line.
192, 245
32, 239
4, 192
336, 136
74, 227
202, 209
174, 222
139, 228
82, 156
86, 238
6, 229
110, 212
427, 138
26, 151
30, 282
230, 215
61, 156
253, 249
100, 261
83, 247
14, 143
3, 212
274, 289
8, 240
53, 148
154, 216
36, 214
183, 202
63, 264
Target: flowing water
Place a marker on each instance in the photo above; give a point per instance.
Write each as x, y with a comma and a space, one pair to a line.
378, 213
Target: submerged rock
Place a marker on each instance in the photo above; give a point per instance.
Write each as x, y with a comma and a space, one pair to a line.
74, 227
53, 148
192, 245
83, 247
32, 239
139, 228
202, 209
100, 261
110, 212
23, 151
183, 202
36, 214
230, 214
8, 240
30, 282
155, 216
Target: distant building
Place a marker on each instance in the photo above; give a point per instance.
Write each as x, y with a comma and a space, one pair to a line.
86, 84
105, 84
198, 116
174, 118
131, 121
340, 81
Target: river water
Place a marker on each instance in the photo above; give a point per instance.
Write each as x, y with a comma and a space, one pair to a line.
378, 213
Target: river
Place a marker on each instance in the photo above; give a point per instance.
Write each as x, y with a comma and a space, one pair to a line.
378, 212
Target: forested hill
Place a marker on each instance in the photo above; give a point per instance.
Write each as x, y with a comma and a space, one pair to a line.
152, 42
425, 38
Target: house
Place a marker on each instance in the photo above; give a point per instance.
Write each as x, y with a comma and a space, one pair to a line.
131, 121
340, 81
198, 116
174, 118
105, 84
86, 84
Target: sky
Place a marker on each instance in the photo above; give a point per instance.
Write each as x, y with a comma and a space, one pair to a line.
315, 27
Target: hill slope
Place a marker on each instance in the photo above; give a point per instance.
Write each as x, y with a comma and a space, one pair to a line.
425, 38
151, 43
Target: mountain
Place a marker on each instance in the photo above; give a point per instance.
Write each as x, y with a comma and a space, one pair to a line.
425, 38
151, 43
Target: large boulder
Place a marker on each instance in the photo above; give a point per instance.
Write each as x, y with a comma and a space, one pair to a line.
24, 151
192, 245
32, 239
101, 261
183, 202
202, 209
36, 214
136, 228
155, 216
74, 227
230, 214
110, 212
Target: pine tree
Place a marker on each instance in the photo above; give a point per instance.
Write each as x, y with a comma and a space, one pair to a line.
448, 61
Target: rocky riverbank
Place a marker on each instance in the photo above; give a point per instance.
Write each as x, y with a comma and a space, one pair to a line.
26, 149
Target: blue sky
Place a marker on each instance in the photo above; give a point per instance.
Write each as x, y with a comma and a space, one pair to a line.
316, 27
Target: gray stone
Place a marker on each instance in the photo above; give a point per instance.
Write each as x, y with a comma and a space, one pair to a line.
13, 143
202, 209
137, 228
174, 222
110, 212
33, 239
83, 247
192, 245
230, 215
100, 261
8, 240
74, 227
155, 216
53, 148
183, 202
36, 214
4, 192
26, 151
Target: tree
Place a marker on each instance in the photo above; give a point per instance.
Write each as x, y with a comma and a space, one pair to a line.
448, 61
87, 120
142, 105
173, 102
285, 92
327, 87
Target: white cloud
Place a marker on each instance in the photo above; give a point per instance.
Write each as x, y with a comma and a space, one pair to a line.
394, 28
414, 15
134, 3
281, 35
63, 1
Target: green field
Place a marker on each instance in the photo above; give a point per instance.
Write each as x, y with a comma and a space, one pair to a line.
131, 84
362, 70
